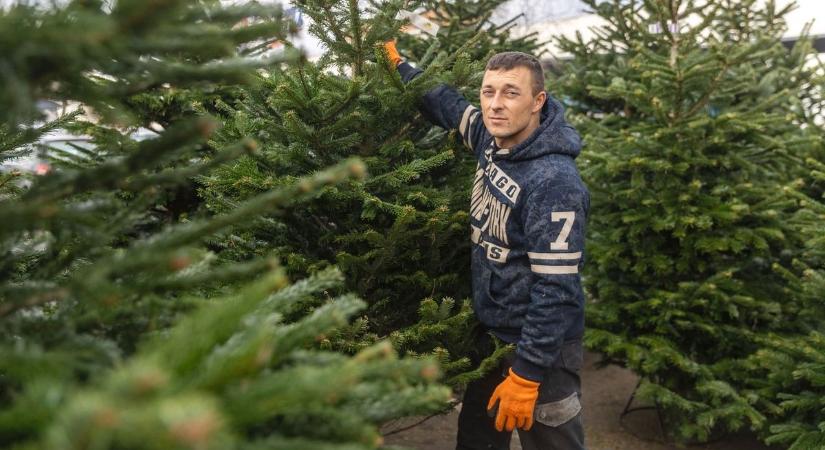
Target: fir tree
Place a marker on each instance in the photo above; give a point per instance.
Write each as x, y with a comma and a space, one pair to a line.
796, 367
54, 225
788, 373
399, 236
689, 111
122, 330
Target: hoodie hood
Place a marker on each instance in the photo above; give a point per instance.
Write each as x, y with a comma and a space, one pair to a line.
553, 135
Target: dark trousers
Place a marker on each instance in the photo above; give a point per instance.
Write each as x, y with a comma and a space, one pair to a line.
557, 422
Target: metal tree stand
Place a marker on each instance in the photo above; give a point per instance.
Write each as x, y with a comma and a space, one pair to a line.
628, 409
664, 435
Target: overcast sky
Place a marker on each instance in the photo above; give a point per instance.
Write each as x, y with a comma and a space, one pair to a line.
539, 11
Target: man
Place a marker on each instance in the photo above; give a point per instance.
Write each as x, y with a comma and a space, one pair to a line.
528, 211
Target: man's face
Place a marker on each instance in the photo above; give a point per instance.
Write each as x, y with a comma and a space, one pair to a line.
508, 106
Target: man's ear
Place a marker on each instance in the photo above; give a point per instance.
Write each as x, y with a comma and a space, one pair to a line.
539, 101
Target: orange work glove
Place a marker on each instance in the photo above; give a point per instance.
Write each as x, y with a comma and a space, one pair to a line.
517, 399
392, 53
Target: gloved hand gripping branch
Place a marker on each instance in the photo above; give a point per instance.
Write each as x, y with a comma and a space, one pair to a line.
392, 53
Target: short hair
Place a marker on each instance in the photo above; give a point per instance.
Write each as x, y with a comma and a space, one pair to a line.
511, 60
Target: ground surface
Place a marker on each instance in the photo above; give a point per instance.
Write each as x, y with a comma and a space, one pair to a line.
605, 393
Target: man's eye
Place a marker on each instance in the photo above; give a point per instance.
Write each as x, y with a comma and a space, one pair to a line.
512, 93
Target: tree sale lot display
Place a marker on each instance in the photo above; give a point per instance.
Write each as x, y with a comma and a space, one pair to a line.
145, 298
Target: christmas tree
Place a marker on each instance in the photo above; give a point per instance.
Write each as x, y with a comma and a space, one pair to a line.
401, 236
694, 146
788, 373
119, 327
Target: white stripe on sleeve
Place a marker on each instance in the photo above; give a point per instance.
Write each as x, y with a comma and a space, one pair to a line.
554, 256
470, 115
554, 270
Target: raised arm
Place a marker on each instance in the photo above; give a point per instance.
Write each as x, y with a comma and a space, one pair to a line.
443, 105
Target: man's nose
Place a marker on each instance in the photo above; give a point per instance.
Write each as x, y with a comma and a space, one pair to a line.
495, 102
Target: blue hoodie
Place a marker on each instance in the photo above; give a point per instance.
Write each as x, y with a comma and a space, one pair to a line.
528, 211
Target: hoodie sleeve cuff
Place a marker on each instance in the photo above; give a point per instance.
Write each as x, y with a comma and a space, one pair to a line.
408, 72
528, 370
